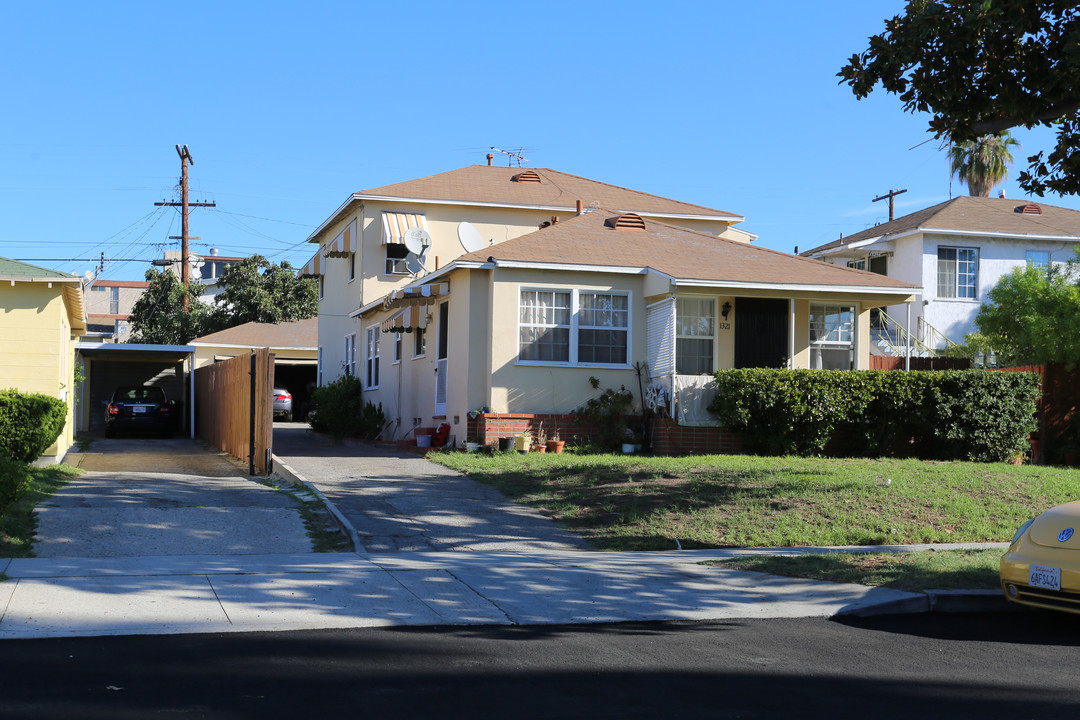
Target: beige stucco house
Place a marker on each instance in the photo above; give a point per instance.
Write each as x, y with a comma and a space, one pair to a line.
42, 314
616, 284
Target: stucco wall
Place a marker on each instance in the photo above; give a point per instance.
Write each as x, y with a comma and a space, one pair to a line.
39, 350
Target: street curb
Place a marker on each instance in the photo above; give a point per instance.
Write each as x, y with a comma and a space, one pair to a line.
285, 472
937, 601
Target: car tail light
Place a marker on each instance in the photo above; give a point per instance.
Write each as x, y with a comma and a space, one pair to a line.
163, 410
113, 409
283, 396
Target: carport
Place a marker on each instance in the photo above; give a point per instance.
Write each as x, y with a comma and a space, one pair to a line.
108, 365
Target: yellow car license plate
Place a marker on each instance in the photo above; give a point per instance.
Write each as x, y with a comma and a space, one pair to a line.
1043, 576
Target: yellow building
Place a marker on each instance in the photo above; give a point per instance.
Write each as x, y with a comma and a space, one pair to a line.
42, 314
527, 292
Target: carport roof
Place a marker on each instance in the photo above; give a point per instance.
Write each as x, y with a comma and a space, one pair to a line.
133, 350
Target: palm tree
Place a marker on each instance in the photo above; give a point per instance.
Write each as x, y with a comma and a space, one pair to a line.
983, 163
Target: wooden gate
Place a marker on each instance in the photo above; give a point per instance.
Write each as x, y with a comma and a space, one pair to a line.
234, 408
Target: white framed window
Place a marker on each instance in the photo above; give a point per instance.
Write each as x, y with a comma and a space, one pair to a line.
576, 327
371, 358
397, 347
957, 272
832, 337
859, 264
695, 335
1038, 258
350, 354
352, 266
419, 343
396, 259
322, 288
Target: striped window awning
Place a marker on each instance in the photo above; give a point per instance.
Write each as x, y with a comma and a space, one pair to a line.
395, 224
423, 295
313, 267
414, 317
344, 244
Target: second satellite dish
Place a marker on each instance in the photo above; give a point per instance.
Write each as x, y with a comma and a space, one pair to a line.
469, 237
416, 240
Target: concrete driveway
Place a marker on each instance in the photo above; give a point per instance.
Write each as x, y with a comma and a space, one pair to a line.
156, 497
402, 502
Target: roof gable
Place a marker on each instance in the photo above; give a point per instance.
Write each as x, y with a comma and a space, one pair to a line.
25, 272
973, 215
542, 187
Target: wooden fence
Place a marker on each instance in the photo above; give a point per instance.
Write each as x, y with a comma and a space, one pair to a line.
881, 362
1059, 422
234, 408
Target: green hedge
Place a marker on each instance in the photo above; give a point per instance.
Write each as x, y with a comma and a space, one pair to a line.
950, 415
29, 424
14, 478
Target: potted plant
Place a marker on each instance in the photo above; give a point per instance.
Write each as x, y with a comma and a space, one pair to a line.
523, 441
555, 444
472, 444
541, 440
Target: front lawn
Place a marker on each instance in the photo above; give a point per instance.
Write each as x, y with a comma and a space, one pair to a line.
913, 572
626, 502
17, 520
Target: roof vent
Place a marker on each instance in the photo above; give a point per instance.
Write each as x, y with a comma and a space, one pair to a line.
529, 176
626, 221
1029, 209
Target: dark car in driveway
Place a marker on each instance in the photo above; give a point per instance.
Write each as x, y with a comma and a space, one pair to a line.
141, 409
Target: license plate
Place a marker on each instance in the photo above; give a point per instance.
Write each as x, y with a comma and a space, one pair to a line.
138, 409
1042, 576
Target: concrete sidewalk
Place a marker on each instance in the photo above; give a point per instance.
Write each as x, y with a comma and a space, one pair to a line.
65, 597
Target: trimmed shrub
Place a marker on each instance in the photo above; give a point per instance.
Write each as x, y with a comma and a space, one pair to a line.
29, 424
14, 478
338, 407
951, 415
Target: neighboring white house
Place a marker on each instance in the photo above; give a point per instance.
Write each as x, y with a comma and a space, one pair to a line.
956, 251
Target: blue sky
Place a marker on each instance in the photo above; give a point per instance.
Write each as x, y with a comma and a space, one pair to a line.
287, 108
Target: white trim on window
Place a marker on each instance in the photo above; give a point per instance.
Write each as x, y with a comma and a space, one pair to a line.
371, 358
350, 354
560, 322
957, 272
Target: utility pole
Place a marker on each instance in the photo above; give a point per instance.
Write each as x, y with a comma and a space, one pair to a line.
185, 271
891, 194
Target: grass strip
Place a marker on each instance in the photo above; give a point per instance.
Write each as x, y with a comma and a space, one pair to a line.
630, 502
910, 571
18, 522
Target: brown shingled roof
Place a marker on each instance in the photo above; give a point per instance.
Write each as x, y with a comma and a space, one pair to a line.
491, 184
587, 240
973, 214
298, 334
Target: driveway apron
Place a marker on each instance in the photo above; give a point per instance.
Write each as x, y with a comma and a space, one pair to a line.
402, 502
156, 497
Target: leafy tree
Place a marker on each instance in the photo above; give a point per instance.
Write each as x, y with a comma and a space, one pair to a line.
1034, 313
256, 290
982, 67
159, 318
981, 164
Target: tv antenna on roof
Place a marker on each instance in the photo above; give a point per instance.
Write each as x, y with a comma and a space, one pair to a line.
510, 156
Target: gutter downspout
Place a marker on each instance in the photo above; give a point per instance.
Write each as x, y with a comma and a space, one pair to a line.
791, 335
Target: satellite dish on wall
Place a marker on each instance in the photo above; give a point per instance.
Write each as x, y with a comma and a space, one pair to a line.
417, 240
415, 264
469, 237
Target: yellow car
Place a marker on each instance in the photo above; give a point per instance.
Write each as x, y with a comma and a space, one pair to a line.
1042, 566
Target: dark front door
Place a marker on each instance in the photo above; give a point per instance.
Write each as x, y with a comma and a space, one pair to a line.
761, 332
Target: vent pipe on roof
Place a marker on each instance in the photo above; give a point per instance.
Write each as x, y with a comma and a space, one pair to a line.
580, 207
490, 158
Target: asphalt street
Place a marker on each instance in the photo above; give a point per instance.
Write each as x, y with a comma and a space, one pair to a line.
1019, 665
